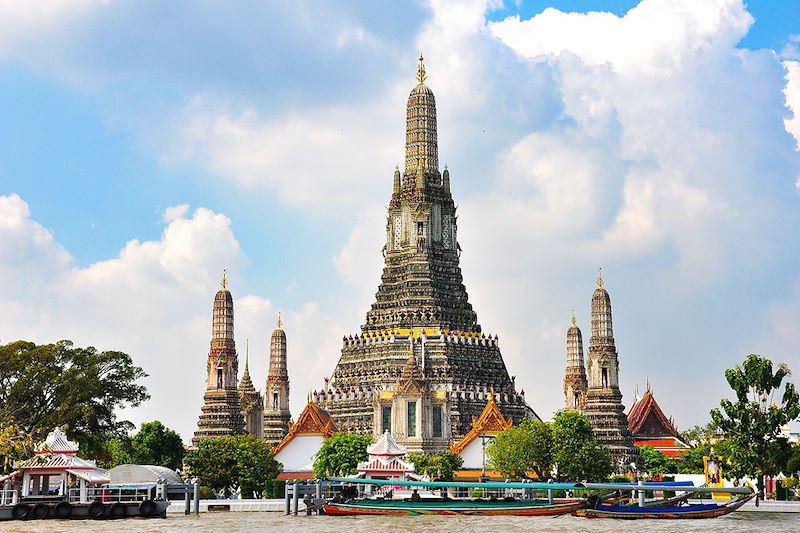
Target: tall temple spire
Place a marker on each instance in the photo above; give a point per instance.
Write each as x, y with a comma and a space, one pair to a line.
276, 410
421, 301
575, 383
603, 407
252, 402
422, 145
221, 412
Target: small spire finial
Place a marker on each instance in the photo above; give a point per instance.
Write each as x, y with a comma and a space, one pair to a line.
600, 277
224, 281
280, 322
247, 353
574, 320
421, 75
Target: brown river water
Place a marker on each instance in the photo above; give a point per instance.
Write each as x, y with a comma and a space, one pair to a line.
262, 521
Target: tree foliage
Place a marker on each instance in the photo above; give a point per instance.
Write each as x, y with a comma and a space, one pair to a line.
527, 447
564, 449
438, 466
340, 455
59, 385
576, 453
229, 463
153, 444
752, 423
655, 462
13, 446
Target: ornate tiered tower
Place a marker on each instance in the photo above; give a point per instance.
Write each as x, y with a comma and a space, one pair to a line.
221, 414
276, 412
421, 320
575, 377
251, 400
603, 406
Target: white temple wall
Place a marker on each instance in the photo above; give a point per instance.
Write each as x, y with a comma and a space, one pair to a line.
299, 453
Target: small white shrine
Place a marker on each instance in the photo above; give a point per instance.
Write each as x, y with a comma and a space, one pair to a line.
57, 469
387, 460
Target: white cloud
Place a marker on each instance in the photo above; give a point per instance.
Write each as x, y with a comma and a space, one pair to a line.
328, 159
22, 23
792, 93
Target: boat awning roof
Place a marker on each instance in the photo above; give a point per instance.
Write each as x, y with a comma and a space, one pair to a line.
91, 476
462, 484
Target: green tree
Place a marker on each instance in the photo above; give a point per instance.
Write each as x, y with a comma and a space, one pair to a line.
697, 435
655, 462
58, 385
438, 466
228, 463
154, 444
13, 446
340, 455
752, 423
691, 462
576, 453
527, 447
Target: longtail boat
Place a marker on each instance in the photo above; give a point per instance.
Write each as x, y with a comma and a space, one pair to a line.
507, 506
672, 511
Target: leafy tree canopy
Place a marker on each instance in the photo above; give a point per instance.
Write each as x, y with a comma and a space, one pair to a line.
13, 446
154, 444
527, 447
340, 455
655, 462
438, 467
59, 385
227, 463
576, 453
752, 423
565, 448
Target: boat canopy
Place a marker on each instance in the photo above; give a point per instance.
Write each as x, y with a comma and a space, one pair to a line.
662, 487
461, 484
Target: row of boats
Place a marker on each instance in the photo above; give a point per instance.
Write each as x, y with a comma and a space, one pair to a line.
599, 500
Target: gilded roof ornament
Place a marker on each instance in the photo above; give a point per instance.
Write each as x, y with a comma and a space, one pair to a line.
224, 281
600, 277
574, 320
421, 75
279, 323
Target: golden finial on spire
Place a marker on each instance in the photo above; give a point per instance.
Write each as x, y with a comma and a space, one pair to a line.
224, 281
600, 277
247, 352
421, 75
280, 322
574, 320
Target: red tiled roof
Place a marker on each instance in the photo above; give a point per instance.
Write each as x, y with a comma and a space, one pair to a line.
641, 409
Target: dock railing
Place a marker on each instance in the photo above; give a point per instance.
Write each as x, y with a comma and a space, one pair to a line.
110, 495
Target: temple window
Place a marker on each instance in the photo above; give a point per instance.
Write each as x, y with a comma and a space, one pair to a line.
576, 401
275, 400
437, 420
386, 418
219, 378
604, 378
411, 418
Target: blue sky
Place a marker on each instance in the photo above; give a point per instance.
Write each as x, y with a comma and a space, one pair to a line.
146, 146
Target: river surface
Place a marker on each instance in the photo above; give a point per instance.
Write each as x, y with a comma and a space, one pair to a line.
260, 521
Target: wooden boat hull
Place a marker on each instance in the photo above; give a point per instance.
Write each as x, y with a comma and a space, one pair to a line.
455, 507
634, 512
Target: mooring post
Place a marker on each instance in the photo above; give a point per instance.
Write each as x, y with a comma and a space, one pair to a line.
196, 496
319, 489
550, 496
287, 494
295, 496
641, 494
187, 501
